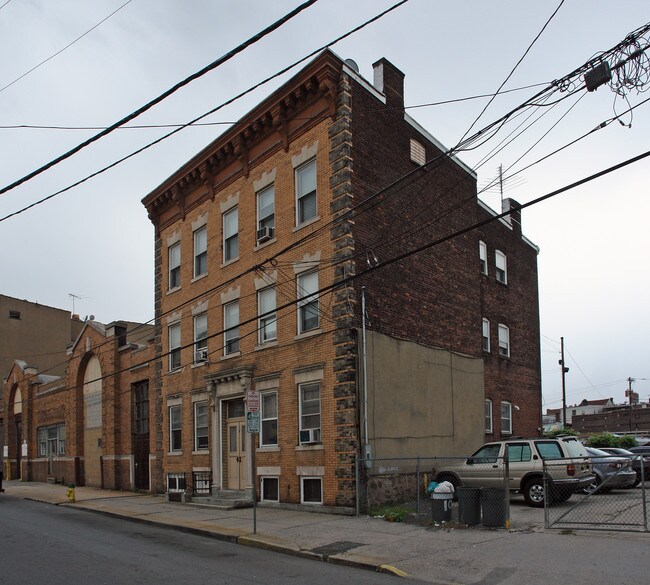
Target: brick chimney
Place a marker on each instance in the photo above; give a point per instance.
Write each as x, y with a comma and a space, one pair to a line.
389, 80
514, 218
117, 329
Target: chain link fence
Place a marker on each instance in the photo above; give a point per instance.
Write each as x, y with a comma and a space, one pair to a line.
617, 500
400, 489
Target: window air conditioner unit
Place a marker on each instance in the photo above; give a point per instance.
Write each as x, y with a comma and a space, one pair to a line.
264, 234
310, 436
201, 356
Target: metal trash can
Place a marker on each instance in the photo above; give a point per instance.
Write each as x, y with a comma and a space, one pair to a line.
494, 506
469, 505
441, 507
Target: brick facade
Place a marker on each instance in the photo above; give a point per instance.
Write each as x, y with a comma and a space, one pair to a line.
366, 213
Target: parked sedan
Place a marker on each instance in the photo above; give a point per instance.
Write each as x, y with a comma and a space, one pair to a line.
641, 454
611, 471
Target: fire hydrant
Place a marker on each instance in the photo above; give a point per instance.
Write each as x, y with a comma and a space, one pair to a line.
70, 493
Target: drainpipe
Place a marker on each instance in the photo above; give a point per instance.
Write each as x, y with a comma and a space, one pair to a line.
366, 445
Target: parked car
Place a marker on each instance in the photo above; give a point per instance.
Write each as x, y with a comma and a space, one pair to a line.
637, 459
611, 471
644, 451
568, 468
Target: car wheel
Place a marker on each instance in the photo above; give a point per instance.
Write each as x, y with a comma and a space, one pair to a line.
534, 492
637, 481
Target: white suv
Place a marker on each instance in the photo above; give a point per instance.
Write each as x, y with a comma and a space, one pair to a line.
568, 468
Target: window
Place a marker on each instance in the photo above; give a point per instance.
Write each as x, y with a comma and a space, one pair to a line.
141, 408
311, 490
310, 412
174, 347
267, 321
270, 489
175, 428
519, 452
201, 338
51, 441
504, 340
200, 251
486, 454
201, 419
418, 154
175, 482
506, 418
486, 336
14, 314
231, 328
501, 267
265, 214
308, 315
231, 235
488, 416
269, 429
306, 192
482, 255
174, 266
549, 450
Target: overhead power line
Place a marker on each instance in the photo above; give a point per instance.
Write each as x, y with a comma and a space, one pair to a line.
218, 62
230, 123
212, 111
64, 48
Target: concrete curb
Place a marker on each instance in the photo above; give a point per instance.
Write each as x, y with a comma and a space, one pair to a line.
253, 540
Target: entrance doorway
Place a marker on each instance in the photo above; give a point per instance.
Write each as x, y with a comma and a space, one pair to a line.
236, 444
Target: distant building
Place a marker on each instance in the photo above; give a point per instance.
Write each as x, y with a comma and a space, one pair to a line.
615, 418
92, 425
585, 407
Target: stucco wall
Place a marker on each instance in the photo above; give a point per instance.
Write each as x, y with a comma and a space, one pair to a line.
422, 401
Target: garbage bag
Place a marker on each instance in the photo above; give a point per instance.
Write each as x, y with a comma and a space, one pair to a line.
446, 487
432, 486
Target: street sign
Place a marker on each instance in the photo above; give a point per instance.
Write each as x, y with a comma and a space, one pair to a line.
252, 401
253, 422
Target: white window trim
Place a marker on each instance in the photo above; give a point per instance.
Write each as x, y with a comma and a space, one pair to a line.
485, 328
170, 268
194, 235
196, 427
175, 347
302, 491
260, 319
500, 256
171, 440
196, 340
236, 234
506, 330
489, 429
509, 419
275, 418
227, 327
298, 197
482, 255
320, 410
307, 300
262, 478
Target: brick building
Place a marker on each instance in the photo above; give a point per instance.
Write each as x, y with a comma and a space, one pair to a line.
90, 425
266, 242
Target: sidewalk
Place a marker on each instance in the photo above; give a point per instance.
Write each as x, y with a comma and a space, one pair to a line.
469, 556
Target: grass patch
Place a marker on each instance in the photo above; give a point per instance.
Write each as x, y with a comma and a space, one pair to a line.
391, 513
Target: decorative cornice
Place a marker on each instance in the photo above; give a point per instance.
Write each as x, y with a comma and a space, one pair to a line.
317, 81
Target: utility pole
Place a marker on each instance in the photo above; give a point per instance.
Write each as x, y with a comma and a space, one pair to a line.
629, 393
564, 371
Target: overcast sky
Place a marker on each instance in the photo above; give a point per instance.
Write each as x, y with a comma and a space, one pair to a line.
96, 241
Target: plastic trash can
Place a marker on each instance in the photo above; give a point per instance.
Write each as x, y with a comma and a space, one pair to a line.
441, 507
469, 505
494, 506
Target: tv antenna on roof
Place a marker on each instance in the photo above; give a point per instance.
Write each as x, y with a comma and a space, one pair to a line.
73, 296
